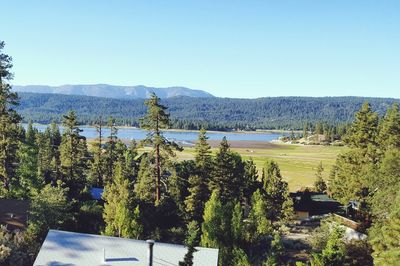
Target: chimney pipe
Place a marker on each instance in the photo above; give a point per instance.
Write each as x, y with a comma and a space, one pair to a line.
150, 244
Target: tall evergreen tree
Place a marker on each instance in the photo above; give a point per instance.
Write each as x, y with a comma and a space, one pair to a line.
228, 173
237, 227
144, 185
155, 120
259, 224
46, 165
54, 136
198, 194
110, 156
29, 182
216, 228
131, 163
203, 154
74, 156
385, 185
97, 163
385, 237
364, 130
121, 220
319, 184
389, 130
9, 129
251, 179
213, 220
198, 183
192, 240
277, 193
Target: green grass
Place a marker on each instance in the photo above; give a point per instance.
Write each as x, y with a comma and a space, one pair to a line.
297, 163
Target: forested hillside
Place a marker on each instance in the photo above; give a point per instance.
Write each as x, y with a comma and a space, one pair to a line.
212, 113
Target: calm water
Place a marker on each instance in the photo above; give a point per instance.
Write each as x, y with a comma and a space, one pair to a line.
134, 133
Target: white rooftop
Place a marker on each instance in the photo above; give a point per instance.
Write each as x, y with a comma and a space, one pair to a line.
68, 248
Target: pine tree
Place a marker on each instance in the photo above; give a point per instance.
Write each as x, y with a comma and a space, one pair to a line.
319, 184
389, 130
237, 224
251, 180
97, 164
110, 156
213, 219
385, 237
131, 163
198, 183
192, 239
118, 215
258, 223
155, 120
198, 194
385, 185
240, 258
45, 158
55, 142
9, 129
203, 155
349, 179
228, 173
28, 180
277, 193
363, 131
74, 156
49, 209
216, 229
144, 185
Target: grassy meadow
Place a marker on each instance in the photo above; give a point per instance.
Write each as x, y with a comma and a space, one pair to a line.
298, 163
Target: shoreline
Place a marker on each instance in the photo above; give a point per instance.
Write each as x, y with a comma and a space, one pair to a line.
257, 131
244, 144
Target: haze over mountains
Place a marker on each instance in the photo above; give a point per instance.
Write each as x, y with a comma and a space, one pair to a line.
115, 92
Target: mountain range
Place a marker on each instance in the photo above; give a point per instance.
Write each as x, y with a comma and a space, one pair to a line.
112, 91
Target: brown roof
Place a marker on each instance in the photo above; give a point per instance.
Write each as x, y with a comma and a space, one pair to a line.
14, 213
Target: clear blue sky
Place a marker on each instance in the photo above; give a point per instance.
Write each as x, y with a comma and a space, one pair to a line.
229, 48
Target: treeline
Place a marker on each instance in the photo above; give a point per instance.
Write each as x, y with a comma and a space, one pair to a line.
369, 174
209, 113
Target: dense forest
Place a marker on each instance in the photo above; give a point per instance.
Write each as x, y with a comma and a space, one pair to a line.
210, 113
215, 200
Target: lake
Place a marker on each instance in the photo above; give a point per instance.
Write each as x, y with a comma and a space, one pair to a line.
181, 136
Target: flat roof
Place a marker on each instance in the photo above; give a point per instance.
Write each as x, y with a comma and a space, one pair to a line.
68, 248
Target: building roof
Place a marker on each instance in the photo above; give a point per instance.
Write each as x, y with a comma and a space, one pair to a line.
96, 192
68, 248
313, 202
13, 213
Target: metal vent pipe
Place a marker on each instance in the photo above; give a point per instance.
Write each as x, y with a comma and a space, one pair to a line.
150, 244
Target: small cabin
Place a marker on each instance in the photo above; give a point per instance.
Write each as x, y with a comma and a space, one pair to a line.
307, 204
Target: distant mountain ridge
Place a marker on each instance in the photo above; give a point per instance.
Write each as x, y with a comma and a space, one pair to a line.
112, 91
193, 113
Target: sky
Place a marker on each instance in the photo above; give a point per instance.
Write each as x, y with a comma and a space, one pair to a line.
229, 48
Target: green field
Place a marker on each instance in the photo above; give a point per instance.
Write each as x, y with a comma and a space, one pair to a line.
298, 163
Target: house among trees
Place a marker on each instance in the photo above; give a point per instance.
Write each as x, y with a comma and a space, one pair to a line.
307, 204
68, 248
